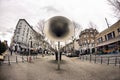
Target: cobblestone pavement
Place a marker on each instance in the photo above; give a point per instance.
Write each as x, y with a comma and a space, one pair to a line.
45, 68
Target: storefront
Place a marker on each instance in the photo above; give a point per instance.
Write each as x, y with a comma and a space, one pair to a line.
109, 47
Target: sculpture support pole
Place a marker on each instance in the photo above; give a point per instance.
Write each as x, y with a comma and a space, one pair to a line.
58, 55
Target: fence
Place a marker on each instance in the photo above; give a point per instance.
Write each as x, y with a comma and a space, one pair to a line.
18, 58
115, 60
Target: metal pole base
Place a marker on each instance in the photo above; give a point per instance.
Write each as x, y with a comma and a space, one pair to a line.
30, 59
58, 55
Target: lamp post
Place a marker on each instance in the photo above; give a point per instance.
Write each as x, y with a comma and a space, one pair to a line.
87, 41
73, 44
16, 46
43, 49
30, 46
94, 34
58, 55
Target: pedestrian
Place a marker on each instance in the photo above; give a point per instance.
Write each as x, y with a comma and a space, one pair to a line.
16, 49
10, 51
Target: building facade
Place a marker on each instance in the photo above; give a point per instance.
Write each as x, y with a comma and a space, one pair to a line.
25, 36
108, 41
72, 46
87, 40
76, 44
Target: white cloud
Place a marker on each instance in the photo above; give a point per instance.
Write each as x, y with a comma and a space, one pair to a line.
81, 11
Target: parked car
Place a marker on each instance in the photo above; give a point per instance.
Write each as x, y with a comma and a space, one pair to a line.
75, 54
68, 54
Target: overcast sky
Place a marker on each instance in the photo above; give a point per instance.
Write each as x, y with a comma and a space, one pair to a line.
80, 11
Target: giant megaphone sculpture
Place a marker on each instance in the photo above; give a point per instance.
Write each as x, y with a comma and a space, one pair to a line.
58, 28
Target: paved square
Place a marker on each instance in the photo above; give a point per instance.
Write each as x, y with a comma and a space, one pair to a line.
45, 68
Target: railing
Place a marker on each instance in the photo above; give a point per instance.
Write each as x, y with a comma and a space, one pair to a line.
109, 60
18, 59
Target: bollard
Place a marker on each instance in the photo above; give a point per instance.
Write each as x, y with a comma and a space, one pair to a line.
101, 60
33, 57
22, 59
80, 57
95, 59
115, 60
27, 58
30, 59
90, 57
86, 57
36, 56
16, 60
83, 57
8, 60
119, 63
108, 61
0, 63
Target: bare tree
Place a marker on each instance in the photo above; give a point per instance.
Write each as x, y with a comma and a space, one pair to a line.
94, 33
41, 26
92, 25
77, 29
116, 7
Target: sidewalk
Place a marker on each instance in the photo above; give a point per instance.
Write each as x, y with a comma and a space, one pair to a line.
45, 68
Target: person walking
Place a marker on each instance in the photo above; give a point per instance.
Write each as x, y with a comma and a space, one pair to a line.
10, 49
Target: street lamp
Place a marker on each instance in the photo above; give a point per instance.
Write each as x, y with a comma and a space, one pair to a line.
43, 49
30, 46
73, 44
87, 41
16, 46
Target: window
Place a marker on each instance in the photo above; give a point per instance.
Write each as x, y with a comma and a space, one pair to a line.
27, 31
87, 35
111, 35
26, 39
20, 23
92, 40
86, 30
22, 38
23, 32
85, 42
17, 38
18, 31
92, 35
92, 44
106, 37
118, 31
88, 41
27, 35
84, 36
19, 26
91, 31
100, 40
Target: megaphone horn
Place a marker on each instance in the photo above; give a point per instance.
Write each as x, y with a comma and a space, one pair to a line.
58, 28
